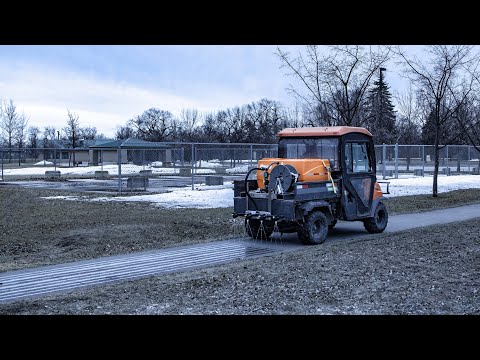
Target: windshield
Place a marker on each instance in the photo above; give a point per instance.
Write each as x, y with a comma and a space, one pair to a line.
319, 148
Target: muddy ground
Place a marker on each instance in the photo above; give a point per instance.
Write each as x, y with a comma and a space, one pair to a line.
422, 271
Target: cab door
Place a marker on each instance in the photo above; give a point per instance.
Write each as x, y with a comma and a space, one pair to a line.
358, 177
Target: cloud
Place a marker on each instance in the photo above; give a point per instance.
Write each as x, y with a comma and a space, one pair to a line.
45, 94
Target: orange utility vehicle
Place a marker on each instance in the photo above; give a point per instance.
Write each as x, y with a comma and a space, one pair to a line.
321, 175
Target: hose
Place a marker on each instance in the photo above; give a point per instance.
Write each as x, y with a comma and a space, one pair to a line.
246, 178
245, 184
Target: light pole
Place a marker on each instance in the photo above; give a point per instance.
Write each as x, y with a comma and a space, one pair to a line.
382, 69
380, 115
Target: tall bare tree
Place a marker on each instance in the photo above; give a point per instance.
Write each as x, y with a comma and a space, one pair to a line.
333, 82
33, 141
409, 117
9, 124
468, 119
295, 115
72, 131
20, 134
444, 80
49, 135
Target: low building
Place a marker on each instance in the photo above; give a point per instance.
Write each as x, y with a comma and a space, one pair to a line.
134, 151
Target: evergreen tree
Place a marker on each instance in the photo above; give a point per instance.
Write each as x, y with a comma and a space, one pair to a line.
381, 113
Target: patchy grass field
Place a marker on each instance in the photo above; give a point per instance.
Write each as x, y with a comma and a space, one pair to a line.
432, 270
36, 231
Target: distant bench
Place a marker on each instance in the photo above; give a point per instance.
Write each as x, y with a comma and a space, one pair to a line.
52, 175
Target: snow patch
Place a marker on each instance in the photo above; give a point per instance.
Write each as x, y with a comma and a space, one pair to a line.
43, 163
221, 196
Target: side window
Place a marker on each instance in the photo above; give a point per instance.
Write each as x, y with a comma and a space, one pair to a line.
348, 157
356, 157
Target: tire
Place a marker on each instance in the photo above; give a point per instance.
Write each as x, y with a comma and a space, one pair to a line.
315, 229
379, 221
332, 225
252, 227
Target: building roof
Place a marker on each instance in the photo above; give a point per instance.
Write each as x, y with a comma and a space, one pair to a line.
323, 131
130, 144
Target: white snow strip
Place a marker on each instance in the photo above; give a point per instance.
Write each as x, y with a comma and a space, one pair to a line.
90, 170
221, 196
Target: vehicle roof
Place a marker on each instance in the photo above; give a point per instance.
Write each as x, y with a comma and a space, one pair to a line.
323, 131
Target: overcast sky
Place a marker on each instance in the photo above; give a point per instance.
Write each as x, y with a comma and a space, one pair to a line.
107, 85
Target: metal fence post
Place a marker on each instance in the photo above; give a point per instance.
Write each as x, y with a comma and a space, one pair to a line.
448, 169
384, 159
2, 164
396, 161
119, 168
193, 164
54, 158
423, 160
101, 158
251, 155
468, 162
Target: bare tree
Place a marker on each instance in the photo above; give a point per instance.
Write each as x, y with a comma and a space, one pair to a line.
190, 119
124, 132
153, 125
295, 115
72, 131
20, 134
468, 118
33, 141
49, 135
9, 124
333, 84
444, 81
89, 133
264, 119
409, 119
210, 130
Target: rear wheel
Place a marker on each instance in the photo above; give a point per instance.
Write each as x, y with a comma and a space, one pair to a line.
314, 230
378, 222
257, 229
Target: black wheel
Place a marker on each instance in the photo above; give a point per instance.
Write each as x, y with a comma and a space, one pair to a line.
378, 222
255, 230
332, 225
314, 230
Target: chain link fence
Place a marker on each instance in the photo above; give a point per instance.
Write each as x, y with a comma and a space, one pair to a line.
419, 160
164, 165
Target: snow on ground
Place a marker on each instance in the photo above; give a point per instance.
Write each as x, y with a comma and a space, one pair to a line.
238, 170
43, 163
222, 195
423, 185
90, 170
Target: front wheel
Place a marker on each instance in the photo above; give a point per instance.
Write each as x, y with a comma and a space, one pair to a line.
378, 222
315, 229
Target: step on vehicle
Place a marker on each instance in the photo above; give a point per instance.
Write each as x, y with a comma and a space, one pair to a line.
321, 175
